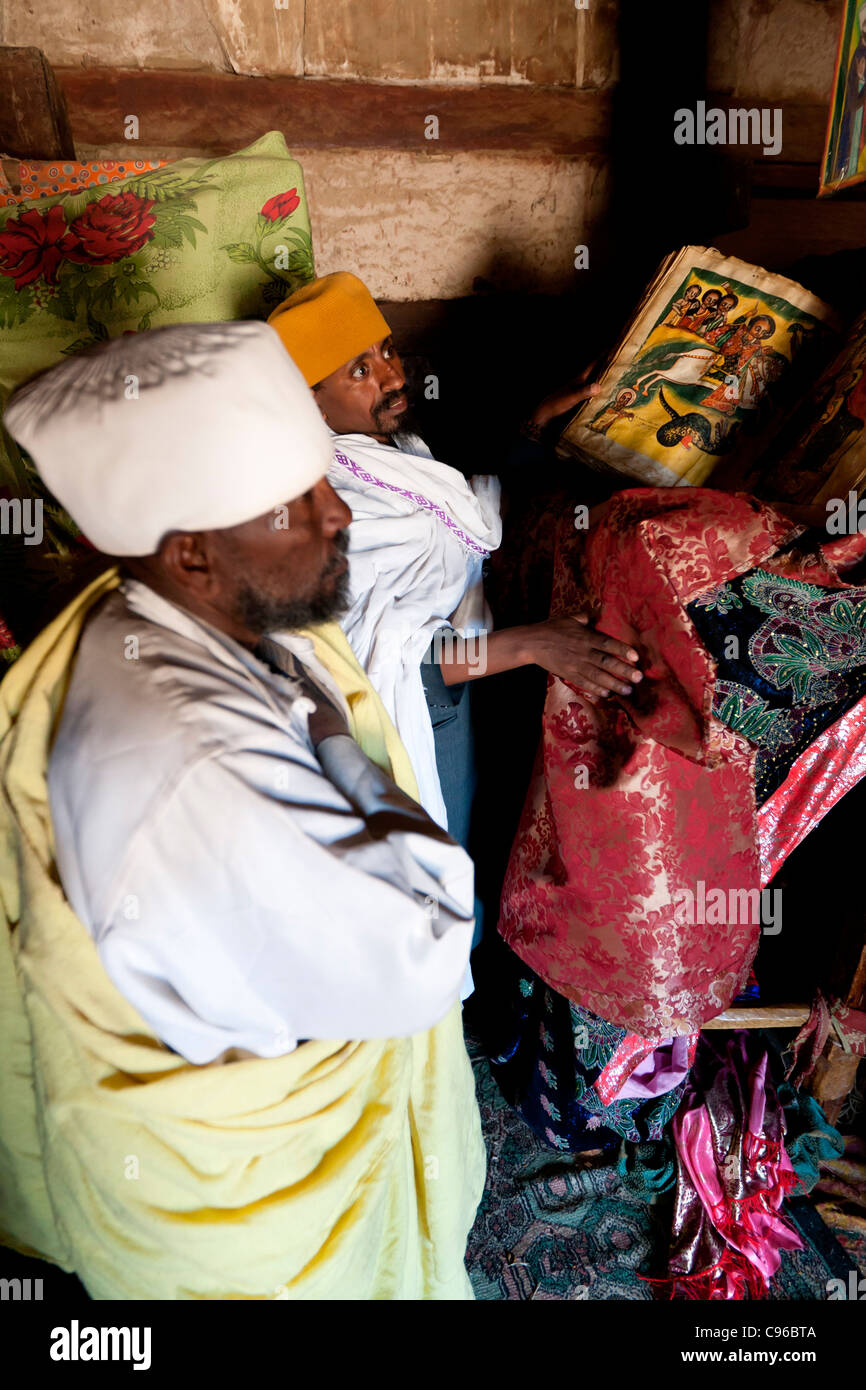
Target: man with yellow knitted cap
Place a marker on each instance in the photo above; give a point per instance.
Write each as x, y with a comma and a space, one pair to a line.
419, 537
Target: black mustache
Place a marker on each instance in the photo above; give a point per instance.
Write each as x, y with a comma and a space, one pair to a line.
388, 400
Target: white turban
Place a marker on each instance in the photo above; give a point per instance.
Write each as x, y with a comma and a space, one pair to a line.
192, 427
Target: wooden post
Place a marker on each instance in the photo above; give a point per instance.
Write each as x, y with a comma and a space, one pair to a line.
836, 1069
33, 119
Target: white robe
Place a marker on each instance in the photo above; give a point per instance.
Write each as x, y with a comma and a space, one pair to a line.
228, 872
419, 536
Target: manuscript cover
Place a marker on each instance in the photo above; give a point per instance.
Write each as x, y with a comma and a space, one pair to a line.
713, 356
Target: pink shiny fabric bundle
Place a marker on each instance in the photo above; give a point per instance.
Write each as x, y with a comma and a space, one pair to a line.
733, 1174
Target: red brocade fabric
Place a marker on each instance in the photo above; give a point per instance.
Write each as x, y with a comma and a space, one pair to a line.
635, 800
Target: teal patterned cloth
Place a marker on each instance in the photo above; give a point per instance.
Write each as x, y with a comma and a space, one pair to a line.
790, 659
810, 1139
648, 1170
548, 1058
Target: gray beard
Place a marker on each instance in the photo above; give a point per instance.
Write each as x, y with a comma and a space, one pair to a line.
261, 612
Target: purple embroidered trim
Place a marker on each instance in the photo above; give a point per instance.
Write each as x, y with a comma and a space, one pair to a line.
423, 502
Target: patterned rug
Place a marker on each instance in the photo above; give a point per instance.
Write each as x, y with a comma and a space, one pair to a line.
840, 1196
552, 1227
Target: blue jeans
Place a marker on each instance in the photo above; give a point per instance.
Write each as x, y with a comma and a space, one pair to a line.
451, 716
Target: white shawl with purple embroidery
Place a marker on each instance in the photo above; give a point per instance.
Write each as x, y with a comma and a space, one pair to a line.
419, 536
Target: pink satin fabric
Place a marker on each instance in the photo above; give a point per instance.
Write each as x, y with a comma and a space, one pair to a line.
661, 1071
739, 1174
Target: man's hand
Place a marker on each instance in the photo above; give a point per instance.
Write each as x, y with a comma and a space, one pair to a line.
560, 402
564, 399
577, 653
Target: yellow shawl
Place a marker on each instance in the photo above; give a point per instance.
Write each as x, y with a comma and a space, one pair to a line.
347, 1170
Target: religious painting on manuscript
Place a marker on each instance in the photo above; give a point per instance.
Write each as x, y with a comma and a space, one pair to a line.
702, 372
845, 144
826, 454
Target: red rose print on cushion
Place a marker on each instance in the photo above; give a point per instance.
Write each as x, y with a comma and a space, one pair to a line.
281, 205
33, 245
117, 225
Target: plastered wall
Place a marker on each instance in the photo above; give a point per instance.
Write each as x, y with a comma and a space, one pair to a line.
415, 225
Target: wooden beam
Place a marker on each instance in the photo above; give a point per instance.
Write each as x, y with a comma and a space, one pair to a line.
33, 120
782, 230
761, 1016
219, 112
775, 178
803, 126
834, 1075
796, 168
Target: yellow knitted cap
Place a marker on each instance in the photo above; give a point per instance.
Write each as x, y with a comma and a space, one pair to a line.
328, 322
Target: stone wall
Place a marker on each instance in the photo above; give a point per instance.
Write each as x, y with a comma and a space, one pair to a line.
415, 224
775, 49
430, 219
441, 226
514, 41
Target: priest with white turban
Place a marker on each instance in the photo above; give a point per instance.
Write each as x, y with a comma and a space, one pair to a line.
235, 938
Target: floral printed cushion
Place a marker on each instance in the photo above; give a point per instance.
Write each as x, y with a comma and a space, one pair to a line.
195, 240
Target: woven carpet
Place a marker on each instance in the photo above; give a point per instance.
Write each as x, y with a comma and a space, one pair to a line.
551, 1228
840, 1196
